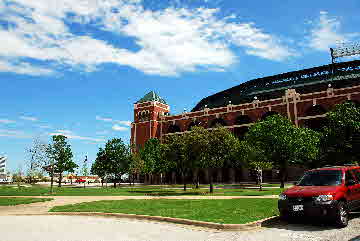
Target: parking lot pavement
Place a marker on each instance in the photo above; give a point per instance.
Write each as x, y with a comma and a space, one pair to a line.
82, 228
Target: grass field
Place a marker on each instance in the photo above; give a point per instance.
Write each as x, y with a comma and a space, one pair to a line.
126, 191
18, 200
231, 211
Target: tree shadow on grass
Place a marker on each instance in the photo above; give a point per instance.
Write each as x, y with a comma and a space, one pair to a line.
307, 224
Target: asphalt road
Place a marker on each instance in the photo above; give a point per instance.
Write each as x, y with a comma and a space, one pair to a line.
82, 228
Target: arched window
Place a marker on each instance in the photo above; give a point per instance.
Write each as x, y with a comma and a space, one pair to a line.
218, 122
240, 132
267, 114
173, 129
315, 110
192, 124
243, 119
315, 123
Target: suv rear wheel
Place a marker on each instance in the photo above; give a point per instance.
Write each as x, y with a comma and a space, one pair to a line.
342, 215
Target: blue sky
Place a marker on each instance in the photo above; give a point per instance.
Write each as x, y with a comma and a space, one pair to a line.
76, 67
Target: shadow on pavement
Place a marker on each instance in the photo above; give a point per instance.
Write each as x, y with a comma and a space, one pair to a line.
306, 224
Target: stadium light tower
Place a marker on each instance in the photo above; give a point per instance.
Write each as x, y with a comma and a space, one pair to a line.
344, 50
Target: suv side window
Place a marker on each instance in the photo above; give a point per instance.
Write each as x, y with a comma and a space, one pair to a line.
349, 177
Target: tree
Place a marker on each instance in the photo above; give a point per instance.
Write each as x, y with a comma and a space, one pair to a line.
136, 166
116, 158
221, 147
175, 155
60, 152
36, 159
196, 144
282, 143
152, 156
99, 166
17, 176
341, 136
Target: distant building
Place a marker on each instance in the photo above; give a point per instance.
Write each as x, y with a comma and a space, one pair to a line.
4, 177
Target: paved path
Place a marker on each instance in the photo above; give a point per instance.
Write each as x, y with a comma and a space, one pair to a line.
16, 225
43, 207
80, 228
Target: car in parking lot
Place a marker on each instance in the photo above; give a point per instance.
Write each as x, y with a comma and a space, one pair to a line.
80, 181
329, 192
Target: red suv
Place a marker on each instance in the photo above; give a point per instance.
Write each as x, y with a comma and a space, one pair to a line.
330, 192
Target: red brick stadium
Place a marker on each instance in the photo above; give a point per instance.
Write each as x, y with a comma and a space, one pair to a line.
302, 96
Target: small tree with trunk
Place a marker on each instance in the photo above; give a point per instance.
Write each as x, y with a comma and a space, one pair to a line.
99, 166
175, 154
283, 143
196, 144
136, 166
61, 154
219, 147
152, 156
116, 158
36, 156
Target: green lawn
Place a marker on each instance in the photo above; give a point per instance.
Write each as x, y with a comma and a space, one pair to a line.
126, 191
231, 211
18, 200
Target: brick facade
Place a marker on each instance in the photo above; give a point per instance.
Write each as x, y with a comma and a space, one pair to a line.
305, 108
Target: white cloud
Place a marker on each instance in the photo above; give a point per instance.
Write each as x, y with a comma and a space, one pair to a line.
119, 128
23, 68
14, 133
170, 41
6, 121
104, 119
75, 137
108, 119
326, 33
28, 118
125, 123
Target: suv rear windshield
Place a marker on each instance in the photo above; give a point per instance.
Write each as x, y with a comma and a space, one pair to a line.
321, 178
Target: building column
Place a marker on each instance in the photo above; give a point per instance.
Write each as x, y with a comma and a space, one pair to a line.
292, 95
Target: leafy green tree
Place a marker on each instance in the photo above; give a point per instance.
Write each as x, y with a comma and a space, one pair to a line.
282, 143
221, 149
196, 144
116, 158
341, 136
152, 156
99, 166
175, 155
60, 152
136, 166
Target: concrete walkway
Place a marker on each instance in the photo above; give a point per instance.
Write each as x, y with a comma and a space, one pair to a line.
44, 207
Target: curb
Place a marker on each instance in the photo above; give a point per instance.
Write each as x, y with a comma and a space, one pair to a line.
218, 226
